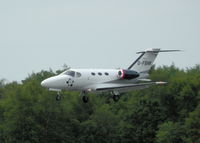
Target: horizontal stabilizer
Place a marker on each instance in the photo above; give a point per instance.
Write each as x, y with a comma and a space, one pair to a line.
157, 51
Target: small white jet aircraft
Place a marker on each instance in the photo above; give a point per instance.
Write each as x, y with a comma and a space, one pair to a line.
115, 81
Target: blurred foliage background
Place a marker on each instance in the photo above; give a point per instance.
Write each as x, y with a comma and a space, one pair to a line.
29, 113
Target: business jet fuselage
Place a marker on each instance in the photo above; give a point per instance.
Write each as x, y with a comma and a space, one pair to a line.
114, 81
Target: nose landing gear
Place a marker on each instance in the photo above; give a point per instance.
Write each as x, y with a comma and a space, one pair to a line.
58, 97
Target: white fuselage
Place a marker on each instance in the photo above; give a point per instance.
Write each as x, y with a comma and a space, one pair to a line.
85, 79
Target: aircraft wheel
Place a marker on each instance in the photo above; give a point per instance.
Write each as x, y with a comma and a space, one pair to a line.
85, 99
58, 97
116, 98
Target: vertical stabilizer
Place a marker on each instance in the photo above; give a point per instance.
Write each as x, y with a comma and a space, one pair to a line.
145, 61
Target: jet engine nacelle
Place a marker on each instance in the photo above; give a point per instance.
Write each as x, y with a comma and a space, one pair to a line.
128, 74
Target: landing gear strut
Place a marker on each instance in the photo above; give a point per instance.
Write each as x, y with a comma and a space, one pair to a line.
58, 96
116, 96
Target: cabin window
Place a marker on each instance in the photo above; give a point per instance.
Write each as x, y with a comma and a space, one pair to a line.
100, 73
106, 73
93, 74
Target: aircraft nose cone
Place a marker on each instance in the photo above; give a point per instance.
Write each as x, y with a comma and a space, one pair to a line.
55, 82
43, 83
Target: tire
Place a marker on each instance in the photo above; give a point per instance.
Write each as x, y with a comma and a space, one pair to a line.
85, 99
116, 98
58, 97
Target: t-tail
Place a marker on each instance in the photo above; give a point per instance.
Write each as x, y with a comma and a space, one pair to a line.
145, 61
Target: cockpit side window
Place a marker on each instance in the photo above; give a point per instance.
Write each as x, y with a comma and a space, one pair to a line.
70, 73
78, 74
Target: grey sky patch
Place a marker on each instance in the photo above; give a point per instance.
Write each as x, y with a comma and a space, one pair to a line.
36, 35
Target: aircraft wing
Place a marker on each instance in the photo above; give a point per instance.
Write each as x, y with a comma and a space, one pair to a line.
126, 87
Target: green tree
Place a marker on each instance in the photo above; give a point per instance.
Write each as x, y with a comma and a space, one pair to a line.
101, 127
169, 132
192, 126
143, 119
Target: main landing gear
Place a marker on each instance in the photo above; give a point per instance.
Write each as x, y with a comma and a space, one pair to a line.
85, 99
116, 96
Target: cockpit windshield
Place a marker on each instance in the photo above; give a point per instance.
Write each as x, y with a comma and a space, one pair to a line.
70, 73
